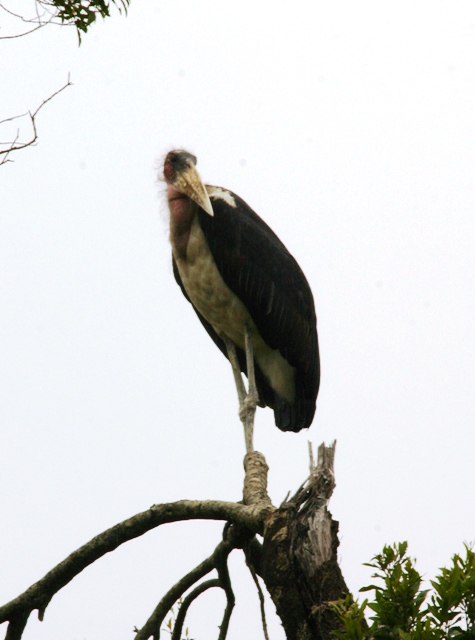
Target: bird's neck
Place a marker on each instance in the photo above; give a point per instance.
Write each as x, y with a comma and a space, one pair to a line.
182, 213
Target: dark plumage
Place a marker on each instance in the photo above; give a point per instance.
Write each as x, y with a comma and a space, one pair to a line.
262, 274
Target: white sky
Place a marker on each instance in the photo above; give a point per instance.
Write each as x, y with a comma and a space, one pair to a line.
350, 128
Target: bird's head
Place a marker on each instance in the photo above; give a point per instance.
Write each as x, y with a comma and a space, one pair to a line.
183, 180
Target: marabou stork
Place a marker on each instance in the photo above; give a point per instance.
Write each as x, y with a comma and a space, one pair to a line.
248, 292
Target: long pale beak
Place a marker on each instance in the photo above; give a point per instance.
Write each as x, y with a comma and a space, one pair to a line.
189, 183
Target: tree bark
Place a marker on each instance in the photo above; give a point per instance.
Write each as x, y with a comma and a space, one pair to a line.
299, 557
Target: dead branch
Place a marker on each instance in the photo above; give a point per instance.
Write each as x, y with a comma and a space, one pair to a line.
40, 20
70, 13
40, 594
297, 560
299, 557
14, 145
234, 537
224, 626
153, 625
185, 605
261, 598
225, 582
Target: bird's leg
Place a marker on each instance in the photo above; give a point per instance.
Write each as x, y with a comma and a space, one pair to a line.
247, 401
251, 375
252, 397
233, 359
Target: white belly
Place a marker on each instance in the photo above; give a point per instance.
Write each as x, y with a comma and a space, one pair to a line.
226, 313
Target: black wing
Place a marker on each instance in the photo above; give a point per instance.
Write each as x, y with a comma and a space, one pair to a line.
257, 267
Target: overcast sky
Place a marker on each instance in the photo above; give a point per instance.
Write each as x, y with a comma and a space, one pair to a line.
350, 128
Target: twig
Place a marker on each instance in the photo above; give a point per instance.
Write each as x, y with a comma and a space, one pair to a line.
310, 455
233, 538
20, 115
185, 605
20, 17
223, 627
221, 562
25, 33
225, 581
253, 552
155, 621
39, 21
15, 147
261, 600
68, 83
5, 159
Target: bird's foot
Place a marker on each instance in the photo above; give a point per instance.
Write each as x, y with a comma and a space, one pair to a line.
247, 411
247, 408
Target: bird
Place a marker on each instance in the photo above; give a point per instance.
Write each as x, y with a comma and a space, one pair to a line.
249, 293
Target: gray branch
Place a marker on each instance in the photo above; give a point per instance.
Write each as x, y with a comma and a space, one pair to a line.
234, 537
39, 595
185, 605
153, 625
297, 559
15, 145
299, 562
261, 598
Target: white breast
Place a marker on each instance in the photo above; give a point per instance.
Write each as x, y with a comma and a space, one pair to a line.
226, 313
207, 290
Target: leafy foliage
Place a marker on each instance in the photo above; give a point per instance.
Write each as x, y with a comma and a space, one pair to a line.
400, 608
82, 13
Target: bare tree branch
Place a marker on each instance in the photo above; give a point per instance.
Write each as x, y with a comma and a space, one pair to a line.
80, 14
48, 17
25, 33
253, 553
16, 626
225, 581
185, 605
37, 20
234, 537
68, 84
13, 146
297, 559
39, 595
154, 623
261, 599
224, 626
20, 115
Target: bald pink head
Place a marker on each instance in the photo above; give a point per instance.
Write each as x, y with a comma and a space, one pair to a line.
179, 171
